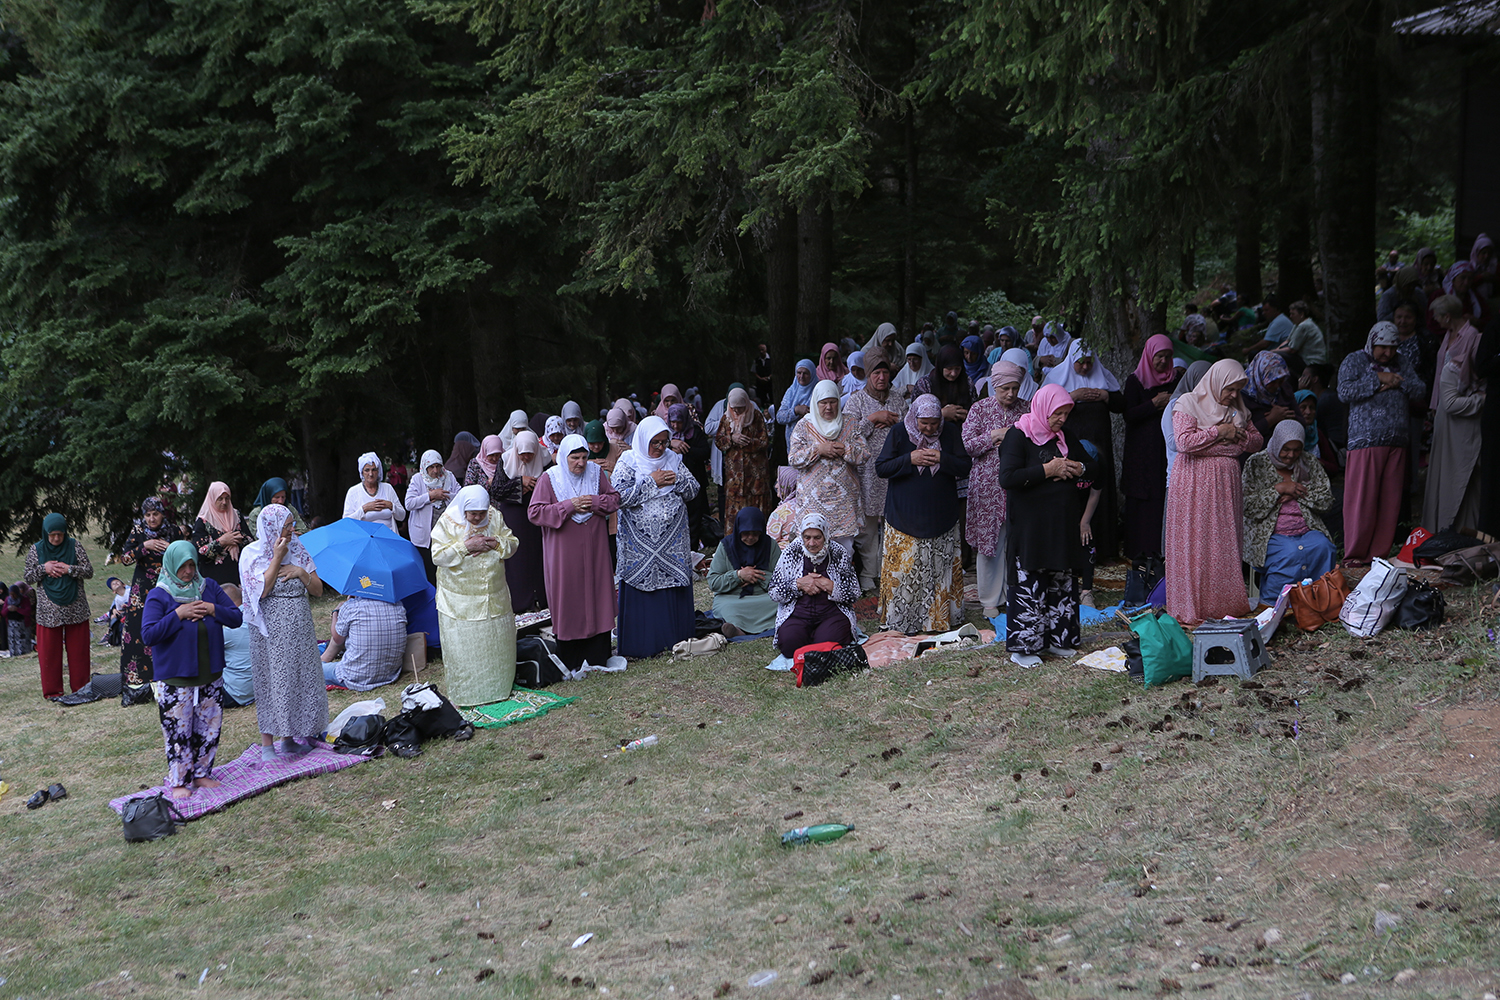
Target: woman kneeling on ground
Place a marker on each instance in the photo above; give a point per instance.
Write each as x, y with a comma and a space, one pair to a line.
739, 576
1285, 491
183, 623
815, 588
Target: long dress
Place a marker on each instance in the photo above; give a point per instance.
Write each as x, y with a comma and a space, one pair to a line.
830, 486
1143, 478
291, 697
1453, 480
214, 560
755, 612
985, 525
1090, 422
656, 584
475, 617
135, 655
922, 576
1205, 524
523, 570
747, 481
575, 559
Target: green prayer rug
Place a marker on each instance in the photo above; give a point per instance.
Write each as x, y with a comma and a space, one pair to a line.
522, 705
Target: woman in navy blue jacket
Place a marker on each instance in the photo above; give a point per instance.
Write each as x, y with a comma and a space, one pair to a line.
183, 622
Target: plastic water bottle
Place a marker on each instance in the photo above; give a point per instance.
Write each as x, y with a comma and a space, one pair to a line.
644, 741
820, 834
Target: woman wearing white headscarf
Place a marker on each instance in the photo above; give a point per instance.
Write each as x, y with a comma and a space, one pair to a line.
277, 576
571, 505
917, 366
518, 422
572, 417
475, 619
427, 497
373, 499
552, 437
655, 567
1019, 357
814, 586
827, 451
1096, 394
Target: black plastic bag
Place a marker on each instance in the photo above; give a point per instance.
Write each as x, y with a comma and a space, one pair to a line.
401, 736
706, 624
1422, 606
150, 818
362, 734
1441, 544
1134, 664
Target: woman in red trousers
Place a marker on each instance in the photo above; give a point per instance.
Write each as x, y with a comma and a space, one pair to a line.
55, 566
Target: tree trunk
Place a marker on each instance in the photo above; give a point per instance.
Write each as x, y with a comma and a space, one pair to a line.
1247, 246
814, 276
909, 262
780, 255
1294, 273
326, 495
1345, 107
491, 319
459, 410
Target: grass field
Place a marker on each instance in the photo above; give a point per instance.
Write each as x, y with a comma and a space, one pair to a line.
1059, 825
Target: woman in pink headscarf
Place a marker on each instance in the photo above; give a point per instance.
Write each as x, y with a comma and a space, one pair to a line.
670, 397
1147, 391
831, 364
218, 534
1041, 468
1205, 501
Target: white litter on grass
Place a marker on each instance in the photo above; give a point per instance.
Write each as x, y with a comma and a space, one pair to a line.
203, 977
764, 977
583, 939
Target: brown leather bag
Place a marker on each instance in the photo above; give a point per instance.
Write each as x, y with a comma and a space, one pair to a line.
1318, 603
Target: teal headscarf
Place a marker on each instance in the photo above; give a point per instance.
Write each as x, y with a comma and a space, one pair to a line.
271, 487
177, 553
61, 590
1311, 438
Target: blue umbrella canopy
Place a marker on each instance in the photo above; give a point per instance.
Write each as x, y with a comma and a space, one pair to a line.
366, 559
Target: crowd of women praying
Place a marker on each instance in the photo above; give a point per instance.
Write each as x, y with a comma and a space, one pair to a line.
893, 467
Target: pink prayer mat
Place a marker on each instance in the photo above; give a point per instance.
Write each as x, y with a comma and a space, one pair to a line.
246, 776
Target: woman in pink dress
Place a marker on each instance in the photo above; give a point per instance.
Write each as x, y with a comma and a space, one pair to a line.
1205, 502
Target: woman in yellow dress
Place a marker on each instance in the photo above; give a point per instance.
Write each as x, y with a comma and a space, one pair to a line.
470, 544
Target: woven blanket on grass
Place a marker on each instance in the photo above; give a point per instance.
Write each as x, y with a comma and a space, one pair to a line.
522, 705
246, 776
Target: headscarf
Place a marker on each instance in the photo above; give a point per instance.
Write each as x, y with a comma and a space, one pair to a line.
490, 450
883, 333
828, 429
257, 557
906, 377
973, 369
1191, 378
511, 461
1267, 367
1064, 339
757, 556
857, 360
786, 482
1382, 334
1145, 373
1284, 432
682, 413
1480, 242
959, 391
429, 458
617, 426
1022, 360
815, 520
798, 394
1202, 402
1194, 323
370, 458
571, 411
1004, 372
268, 489
465, 447
925, 405
1463, 267
738, 398
538, 424
469, 498
517, 422
594, 433
151, 505
555, 425
835, 371
226, 521
640, 455
1034, 424
667, 390
565, 485
61, 590
1065, 375
179, 552
1311, 439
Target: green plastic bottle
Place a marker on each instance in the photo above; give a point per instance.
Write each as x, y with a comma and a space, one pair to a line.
820, 834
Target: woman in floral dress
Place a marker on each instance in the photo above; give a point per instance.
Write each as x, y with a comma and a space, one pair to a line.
983, 431
143, 548
743, 438
827, 451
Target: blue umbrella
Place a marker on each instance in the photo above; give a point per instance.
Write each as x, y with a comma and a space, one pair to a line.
366, 559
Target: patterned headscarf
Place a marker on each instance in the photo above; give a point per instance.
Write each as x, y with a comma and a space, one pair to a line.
683, 414
786, 482
925, 405
151, 505
1285, 432
1267, 367
256, 557
815, 520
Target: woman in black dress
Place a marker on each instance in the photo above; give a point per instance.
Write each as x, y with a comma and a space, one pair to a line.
689, 441
1143, 477
218, 534
510, 474
1096, 394
143, 548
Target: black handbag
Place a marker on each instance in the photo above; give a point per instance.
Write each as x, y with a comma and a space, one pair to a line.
1422, 606
1141, 579
362, 734
819, 665
401, 736
536, 663
150, 818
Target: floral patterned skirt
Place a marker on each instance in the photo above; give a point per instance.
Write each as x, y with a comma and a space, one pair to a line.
921, 582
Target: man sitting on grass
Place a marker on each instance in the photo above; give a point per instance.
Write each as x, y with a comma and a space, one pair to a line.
239, 685
371, 635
